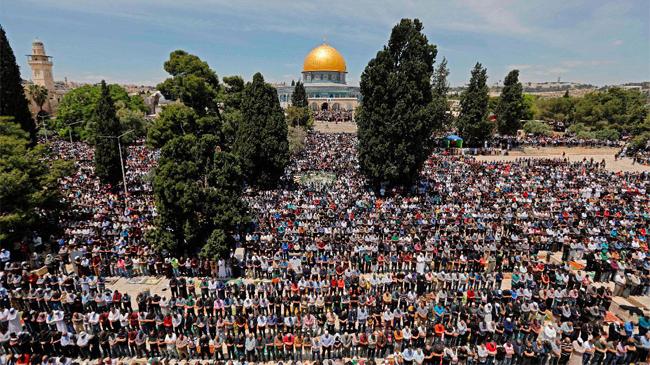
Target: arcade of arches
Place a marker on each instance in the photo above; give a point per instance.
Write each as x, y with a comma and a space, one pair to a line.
332, 106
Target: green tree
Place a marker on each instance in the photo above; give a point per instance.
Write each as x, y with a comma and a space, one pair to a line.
232, 96
197, 189
622, 109
531, 111
556, 109
78, 105
132, 120
577, 128
233, 91
107, 154
398, 116
12, 95
297, 136
511, 107
261, 139
30, 199
192, 82
39, 95
537, 128
607, 134
642, 126
174, 120
298, 114
473, 124
299, 96
440, 104
493, 103
197, 185
178, 119
299, 117
640, 142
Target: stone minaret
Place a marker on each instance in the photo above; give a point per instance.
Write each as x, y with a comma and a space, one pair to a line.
41, 65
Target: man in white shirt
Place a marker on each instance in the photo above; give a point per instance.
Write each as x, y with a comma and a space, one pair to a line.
170, 341
619, 283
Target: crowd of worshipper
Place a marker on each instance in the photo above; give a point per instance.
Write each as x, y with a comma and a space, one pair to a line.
642, 156
561, 141
335, 116
503, 144
457, 270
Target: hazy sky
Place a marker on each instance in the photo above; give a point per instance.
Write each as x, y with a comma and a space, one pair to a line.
594, 41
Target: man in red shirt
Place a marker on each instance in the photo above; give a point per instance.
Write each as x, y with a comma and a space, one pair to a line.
288, 339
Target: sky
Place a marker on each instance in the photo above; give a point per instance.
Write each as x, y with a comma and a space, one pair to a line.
127, 41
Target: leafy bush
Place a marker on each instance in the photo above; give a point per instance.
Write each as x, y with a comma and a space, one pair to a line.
607, 134
585, 134
78, 106
537, 128
577, 128
296, 137
640, 142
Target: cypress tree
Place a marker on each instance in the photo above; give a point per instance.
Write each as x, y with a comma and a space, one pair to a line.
473, 124
299, 96
511, 105
440, 90
397, 118
261, 140
107, 154
12, 95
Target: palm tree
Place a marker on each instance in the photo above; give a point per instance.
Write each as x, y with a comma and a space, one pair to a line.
39, 95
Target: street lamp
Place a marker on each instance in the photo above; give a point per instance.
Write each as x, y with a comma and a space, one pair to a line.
70, 128
119, 147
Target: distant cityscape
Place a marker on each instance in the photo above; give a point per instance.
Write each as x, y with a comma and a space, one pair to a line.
552, 89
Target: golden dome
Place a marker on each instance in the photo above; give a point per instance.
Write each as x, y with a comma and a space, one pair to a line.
324, 58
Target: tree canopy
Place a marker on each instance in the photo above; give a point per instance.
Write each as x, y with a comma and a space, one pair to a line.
299, 117
511, 107
30, 199
537, 128
197, 189
196, 88
177, 120
621, 109
198, 183
473, 124
261, 139
78, 105
193, 82
12, 95
39, 95
398, 116
556, 109
597, 114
